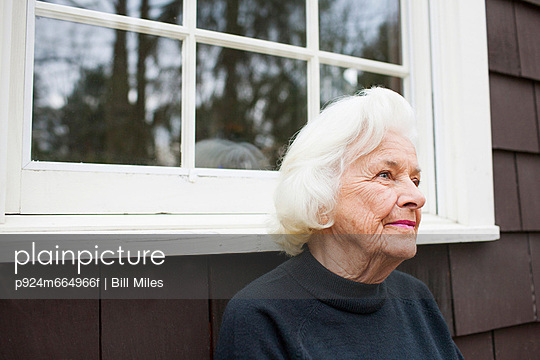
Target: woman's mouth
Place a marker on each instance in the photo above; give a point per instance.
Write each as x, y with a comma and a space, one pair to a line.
404, 223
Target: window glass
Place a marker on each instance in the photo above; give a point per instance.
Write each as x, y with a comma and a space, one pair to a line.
274, 20
169, 11
248, 107
363, 28
105, 96
338, 81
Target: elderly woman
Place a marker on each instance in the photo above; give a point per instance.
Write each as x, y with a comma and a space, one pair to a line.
349, 202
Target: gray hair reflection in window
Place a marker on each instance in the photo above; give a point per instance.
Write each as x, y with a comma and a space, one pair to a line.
226, 154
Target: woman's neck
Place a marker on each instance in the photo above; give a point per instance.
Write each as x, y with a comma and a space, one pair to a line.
346, 257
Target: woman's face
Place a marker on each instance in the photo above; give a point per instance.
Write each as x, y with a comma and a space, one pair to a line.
379, 199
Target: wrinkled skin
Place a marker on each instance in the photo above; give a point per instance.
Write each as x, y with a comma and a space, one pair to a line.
377, 214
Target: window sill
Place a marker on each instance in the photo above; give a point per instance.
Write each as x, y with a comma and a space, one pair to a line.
171, 233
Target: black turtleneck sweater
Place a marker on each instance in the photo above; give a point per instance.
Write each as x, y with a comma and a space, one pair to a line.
301, 310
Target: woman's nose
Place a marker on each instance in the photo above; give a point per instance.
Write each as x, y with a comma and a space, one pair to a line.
410, 196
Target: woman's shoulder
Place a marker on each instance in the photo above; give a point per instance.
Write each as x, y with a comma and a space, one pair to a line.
263, 319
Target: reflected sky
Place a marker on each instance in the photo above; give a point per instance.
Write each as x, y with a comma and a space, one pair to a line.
338, 81
363, 28
169, 11
93, 85
110, 96
274, 20
248, 98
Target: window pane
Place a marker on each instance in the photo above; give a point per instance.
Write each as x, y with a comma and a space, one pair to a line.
363, 28
105, 96
248, 107
169, 11
337, 81
274, 20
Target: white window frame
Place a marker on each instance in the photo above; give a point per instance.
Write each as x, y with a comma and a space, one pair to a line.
451, 33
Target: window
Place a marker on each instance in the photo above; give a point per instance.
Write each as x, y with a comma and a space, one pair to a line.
165, 116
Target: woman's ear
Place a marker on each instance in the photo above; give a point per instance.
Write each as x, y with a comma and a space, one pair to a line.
324, 218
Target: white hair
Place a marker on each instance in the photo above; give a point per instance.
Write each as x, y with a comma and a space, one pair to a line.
310, 173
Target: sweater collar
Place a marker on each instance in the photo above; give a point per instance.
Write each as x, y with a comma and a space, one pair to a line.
334, 290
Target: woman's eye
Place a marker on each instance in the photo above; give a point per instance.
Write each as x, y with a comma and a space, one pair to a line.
416, 182
384, 174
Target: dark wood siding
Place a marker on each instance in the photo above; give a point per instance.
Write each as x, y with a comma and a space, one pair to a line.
488, 292
154, 329
495, 285
49, 329
491, 284
477, 346
519, 342
503, 48
513, 116
157, 328
528, 170
507, 210
528, 28
534, 249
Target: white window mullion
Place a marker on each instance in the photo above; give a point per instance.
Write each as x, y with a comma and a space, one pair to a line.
313, 70
189, 64
406, 53
16, 113
5, 62
243, 43
112, 21
462, 86
362, 64
29, 85
189, 85
313, 90
418, 90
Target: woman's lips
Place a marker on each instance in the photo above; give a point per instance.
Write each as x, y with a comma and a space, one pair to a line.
403, 223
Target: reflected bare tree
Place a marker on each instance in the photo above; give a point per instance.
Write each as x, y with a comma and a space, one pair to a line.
258, 99
123, 130
115, 110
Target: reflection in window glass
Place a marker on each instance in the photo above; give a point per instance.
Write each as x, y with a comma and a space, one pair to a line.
337, 81
248, 106
169, 11
363, 28
105, 96
274, 20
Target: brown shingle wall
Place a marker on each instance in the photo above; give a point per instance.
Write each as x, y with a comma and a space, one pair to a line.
159, 328
491, 284
513, 114
477, 346
507, 209
519, 342
528, 170
534, 250
528, 28
496, 285
49, 329
115, 329
513, 42
503, 48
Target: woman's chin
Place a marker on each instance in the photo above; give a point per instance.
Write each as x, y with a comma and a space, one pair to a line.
400, 244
